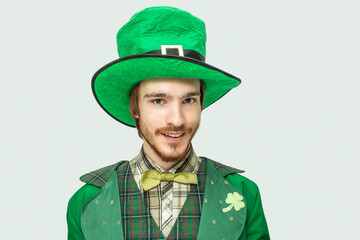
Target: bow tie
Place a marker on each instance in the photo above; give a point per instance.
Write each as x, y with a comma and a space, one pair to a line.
152, 178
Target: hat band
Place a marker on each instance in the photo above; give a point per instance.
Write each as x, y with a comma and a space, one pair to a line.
187, 53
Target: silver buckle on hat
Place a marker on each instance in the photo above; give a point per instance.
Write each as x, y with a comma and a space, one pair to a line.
178, 47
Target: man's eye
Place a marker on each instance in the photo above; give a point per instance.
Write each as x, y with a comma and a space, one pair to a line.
189, 100
158, 101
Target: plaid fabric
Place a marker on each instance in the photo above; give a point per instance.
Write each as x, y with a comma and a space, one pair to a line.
187, 223
100, 176
137, 220
223, 169
166, 200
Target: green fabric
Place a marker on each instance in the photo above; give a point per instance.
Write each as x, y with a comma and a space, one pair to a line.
146, 31
101, 216
154, 26
215, 223
223, 169
101, 176
255, 227
73, 216
137, 219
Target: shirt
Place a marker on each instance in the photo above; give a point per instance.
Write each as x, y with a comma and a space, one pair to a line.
166, 199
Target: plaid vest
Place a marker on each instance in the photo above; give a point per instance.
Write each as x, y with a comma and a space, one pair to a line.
137, 220
113, 216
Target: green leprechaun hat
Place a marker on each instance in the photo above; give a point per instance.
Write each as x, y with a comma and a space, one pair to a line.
158, 42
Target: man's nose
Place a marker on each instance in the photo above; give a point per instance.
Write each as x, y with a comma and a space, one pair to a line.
175, 115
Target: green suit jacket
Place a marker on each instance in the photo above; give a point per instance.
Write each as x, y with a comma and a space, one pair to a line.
231, 209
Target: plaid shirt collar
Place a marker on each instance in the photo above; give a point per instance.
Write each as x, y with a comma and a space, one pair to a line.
190, 163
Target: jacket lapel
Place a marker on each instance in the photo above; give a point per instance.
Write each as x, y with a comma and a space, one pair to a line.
100, 177
101, 216
224, 208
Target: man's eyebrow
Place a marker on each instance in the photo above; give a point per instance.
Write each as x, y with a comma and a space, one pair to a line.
164, 95
191, 94
152, 95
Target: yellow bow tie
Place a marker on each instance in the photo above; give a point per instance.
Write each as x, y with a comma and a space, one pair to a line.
152, 178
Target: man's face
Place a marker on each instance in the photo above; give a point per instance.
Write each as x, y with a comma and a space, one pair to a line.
169, 115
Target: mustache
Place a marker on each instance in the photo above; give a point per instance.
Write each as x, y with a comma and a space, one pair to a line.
171, 128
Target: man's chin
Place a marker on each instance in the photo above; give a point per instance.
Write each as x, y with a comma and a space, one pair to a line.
172, 156
172, 153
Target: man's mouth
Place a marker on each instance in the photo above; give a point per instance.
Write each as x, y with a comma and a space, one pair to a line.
173, 135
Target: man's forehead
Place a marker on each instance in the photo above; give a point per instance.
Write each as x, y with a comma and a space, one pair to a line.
172, 80
170, 83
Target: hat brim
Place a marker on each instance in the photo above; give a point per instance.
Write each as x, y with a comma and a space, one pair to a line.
113, 83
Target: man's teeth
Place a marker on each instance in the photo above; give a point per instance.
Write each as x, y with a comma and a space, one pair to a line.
173, 135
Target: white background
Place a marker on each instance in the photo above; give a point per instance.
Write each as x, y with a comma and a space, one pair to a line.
293, 124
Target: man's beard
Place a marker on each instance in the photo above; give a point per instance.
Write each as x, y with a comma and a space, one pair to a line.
174, 156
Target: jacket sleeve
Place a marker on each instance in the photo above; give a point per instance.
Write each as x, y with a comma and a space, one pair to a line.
255, 226
73, 215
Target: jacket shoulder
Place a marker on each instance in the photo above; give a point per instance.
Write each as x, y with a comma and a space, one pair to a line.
232, 175
224, 170
75, 205
241, 182
101, 176
256, 225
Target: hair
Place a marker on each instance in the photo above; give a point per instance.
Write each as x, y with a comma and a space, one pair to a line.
134, 105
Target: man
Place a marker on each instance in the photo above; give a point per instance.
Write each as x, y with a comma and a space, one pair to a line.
160, 84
